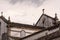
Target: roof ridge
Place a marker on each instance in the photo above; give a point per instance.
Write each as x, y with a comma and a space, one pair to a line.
4, 19
45, 15
26, 25
48, 16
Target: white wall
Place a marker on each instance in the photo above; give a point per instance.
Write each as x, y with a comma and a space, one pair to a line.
15, 32
34, 37
3, 27
48, 21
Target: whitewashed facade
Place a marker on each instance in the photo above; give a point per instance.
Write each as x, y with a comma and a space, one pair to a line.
45, 21
41, 34
3, 28
23, 30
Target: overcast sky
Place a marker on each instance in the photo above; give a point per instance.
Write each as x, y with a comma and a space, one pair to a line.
29, 11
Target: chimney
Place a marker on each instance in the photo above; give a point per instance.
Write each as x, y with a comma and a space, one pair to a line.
43, 10
56, 18
9, 18
1, 13
33, 24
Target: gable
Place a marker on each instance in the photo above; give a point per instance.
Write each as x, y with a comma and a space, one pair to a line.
4, 19
3, 26
45, 21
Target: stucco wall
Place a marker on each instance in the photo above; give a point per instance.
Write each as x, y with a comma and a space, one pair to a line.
47, 21
3, 28
16, 32
34, 37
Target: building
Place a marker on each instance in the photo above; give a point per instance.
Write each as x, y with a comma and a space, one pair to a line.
46, 25
3, 26
21, 30
46, 21
51, 33
51, 29
7, 28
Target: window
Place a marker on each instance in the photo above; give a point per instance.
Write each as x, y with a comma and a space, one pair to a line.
22, 33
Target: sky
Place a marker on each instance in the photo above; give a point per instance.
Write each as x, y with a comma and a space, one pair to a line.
28, 11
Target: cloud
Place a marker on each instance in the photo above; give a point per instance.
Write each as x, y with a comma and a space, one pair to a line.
28, 2
23, 10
